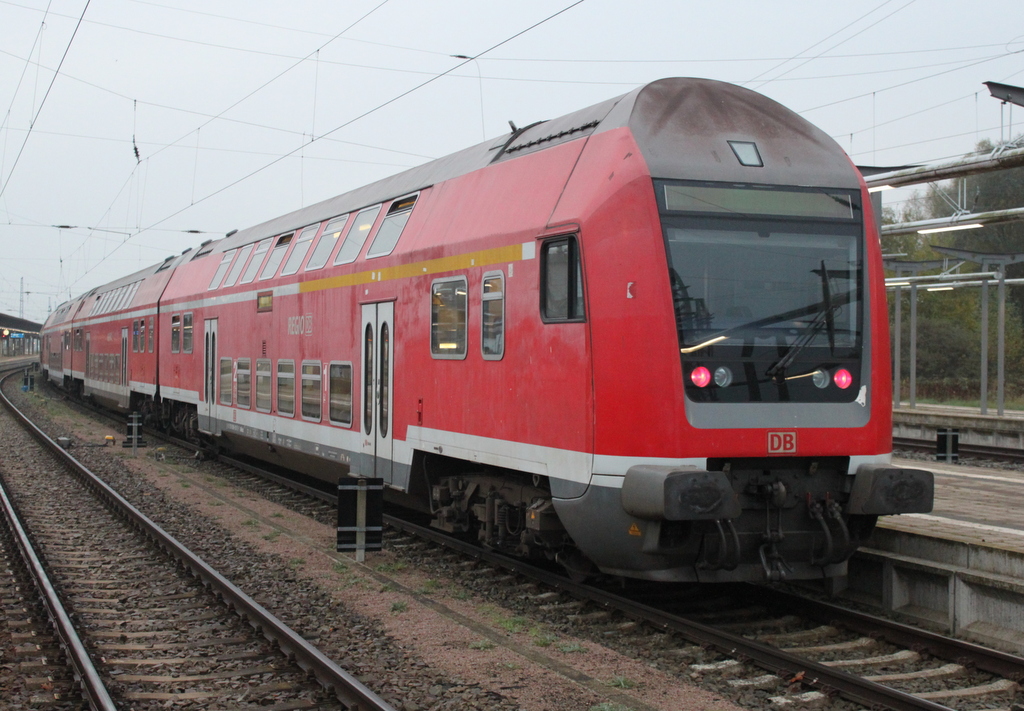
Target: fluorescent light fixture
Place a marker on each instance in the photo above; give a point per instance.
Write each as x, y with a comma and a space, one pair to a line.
897, 283
940, 288
951, 228
880, 188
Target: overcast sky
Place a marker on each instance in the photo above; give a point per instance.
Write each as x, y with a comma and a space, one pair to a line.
242, 111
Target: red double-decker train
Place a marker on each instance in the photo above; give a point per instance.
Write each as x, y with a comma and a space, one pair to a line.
648, 338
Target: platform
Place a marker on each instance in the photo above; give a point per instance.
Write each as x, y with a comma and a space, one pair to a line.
991, 430
959, 569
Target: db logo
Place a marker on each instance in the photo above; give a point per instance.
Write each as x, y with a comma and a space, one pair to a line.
782, 443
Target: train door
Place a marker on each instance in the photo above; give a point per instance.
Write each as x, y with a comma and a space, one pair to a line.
123, 392
378, 375
208, 397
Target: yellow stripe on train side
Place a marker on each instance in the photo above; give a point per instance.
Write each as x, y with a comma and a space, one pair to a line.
483, 258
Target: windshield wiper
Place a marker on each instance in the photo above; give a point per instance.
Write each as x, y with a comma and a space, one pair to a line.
825, 318
826, 298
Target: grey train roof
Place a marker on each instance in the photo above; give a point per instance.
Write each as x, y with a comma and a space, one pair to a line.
681, 126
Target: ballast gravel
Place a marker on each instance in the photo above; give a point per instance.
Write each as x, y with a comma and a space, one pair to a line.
420, 642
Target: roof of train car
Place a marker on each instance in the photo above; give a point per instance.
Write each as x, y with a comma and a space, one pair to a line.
662, 114
669, 116
72, 309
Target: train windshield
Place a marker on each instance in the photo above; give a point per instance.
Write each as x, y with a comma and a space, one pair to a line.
765, 284
768, 281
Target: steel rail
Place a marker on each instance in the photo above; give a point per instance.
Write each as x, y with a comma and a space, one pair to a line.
348, 690
1008, 666
1008, 454
88, 678
825, 679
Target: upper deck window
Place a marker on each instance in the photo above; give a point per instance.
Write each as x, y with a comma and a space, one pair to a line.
300, 249
357, 235
236, 268
391, 228
257, 260
276, 257
328, 240
222, 269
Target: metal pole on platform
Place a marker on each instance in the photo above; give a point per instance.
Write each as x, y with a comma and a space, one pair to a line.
984, 345
913, 345
1001, 356
896, 348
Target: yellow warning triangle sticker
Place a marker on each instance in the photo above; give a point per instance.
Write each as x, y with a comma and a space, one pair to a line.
634, 530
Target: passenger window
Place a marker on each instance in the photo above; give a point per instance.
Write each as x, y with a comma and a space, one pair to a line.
357, 235
236, 268
276, 257
222, 269
225, 381
492, 317
311, 391
340, 403
186, 333
176, 333
299, 250
328, 240
152, 322
286, 388
448, 316
263, 384
243, 385
256, 261
390, 229
562, 281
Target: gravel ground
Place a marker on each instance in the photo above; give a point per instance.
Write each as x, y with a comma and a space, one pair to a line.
420, 640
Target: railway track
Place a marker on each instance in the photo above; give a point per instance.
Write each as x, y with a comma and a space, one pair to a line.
757, 645
165, 627
999, 454
788, 650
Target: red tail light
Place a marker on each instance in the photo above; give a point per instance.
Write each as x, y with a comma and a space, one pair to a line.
842, 378
700, 376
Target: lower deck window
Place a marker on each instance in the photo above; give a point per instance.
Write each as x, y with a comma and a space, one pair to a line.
225, 381
285, 387
311, 391
263, 385
341, 394
243, 396
448, 316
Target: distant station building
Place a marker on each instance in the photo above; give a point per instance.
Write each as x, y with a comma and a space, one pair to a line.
18, 336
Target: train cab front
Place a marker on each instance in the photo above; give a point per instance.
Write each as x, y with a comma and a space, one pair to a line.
784, 453
775, 317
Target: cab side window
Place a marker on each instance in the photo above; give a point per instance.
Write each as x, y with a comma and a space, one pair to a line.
561, 277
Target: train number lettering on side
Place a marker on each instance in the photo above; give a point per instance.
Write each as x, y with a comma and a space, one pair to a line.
300, 325
782, 443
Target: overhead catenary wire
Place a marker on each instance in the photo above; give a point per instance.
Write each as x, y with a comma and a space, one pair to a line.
344, 124
53, 79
